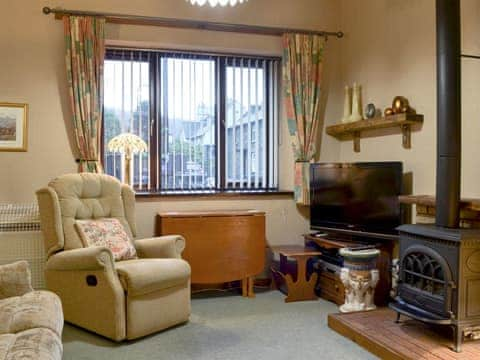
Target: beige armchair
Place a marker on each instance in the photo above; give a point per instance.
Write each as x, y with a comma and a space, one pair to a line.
119, 300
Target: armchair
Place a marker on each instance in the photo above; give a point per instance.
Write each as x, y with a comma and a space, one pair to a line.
120, 300
31, 322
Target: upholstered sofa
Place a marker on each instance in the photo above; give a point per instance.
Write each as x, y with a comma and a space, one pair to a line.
120, 300
31, 322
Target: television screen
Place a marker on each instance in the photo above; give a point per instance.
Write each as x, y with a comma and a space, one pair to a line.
356, 196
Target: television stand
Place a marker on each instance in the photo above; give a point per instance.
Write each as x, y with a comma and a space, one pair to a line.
330, 286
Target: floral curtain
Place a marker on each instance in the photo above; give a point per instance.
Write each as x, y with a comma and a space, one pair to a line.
302, 73
85, 53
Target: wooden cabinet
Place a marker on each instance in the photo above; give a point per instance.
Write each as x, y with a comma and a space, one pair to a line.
220, 246
331, 287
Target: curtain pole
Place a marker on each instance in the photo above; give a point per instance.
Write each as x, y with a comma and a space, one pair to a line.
188, 24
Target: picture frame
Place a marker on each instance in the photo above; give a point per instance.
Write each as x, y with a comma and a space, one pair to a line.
13, 126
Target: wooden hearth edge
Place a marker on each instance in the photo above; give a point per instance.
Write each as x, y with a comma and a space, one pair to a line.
336, 323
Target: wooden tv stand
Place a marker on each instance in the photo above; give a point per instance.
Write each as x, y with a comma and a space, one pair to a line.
330, 285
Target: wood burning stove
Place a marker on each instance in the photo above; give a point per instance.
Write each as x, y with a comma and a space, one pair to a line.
439, 278
439, 268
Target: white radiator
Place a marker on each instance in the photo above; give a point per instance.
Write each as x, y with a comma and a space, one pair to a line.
21, 239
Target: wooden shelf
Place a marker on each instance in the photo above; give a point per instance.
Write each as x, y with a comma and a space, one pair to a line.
426, 204
429, 200
354, 129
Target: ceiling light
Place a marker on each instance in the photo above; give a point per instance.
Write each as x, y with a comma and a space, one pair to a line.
214, 3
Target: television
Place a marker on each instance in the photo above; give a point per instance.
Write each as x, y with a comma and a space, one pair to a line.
359, 197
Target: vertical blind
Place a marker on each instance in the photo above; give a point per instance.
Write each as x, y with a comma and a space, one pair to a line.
188, 118
127, 109
210, 120
251, 131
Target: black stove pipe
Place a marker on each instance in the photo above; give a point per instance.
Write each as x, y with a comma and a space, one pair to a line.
448, 113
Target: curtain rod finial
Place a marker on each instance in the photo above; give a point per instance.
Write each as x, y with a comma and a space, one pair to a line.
46, 10
340, 34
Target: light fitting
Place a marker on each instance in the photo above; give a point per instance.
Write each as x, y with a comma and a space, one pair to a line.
127, 144
214, 3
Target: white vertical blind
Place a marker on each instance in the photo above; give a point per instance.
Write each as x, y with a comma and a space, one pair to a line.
263, 125
256, 127
249, 125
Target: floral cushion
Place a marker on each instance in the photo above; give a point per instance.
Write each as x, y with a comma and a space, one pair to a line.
15, 279
107, 232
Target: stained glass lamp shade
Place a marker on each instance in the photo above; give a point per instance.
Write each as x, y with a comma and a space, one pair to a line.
127, 144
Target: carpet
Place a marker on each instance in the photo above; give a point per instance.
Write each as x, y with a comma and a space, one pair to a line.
228, 327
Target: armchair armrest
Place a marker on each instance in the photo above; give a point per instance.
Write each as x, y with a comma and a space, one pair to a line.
170, 246
15, 279
91, 258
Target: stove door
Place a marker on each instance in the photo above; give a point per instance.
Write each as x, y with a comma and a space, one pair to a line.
426, 280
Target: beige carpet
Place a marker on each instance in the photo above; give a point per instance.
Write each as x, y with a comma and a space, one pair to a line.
229, 327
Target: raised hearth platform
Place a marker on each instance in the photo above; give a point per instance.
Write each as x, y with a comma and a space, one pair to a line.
377, 332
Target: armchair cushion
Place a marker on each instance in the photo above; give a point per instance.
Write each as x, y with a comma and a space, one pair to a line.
36, 309
15, 279
88, 196
37, 343
144, 276
107, 232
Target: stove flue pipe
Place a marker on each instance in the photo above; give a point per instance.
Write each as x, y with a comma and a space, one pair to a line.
448, 113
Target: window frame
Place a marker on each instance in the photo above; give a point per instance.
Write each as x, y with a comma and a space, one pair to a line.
221, 60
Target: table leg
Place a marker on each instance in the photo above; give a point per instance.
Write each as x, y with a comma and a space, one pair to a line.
251, 281
245, 287
302, 289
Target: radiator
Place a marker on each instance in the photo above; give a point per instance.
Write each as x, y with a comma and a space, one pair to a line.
21, 239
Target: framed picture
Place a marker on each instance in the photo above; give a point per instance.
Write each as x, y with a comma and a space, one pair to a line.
13, 127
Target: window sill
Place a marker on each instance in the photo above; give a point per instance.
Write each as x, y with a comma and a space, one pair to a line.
214, 194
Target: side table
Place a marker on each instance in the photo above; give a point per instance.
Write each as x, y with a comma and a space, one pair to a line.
302, 289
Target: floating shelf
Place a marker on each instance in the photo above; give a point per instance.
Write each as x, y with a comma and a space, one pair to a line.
353, 130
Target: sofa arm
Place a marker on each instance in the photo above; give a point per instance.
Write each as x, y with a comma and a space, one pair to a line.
91, 258
15, 279
170, 246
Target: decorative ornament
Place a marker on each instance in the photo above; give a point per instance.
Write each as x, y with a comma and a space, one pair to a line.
395, 276
360, 278
388, 111
347, 105
214, 3
127, 144
400, 105
370, 111
356, 103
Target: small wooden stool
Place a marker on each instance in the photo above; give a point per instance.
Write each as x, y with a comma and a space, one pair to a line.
302, 289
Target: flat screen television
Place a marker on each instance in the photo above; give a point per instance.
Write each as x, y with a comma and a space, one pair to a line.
356, 196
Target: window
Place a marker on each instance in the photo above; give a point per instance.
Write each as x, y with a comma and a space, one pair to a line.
210, 120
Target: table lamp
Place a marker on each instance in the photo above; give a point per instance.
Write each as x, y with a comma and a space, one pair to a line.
127, 144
